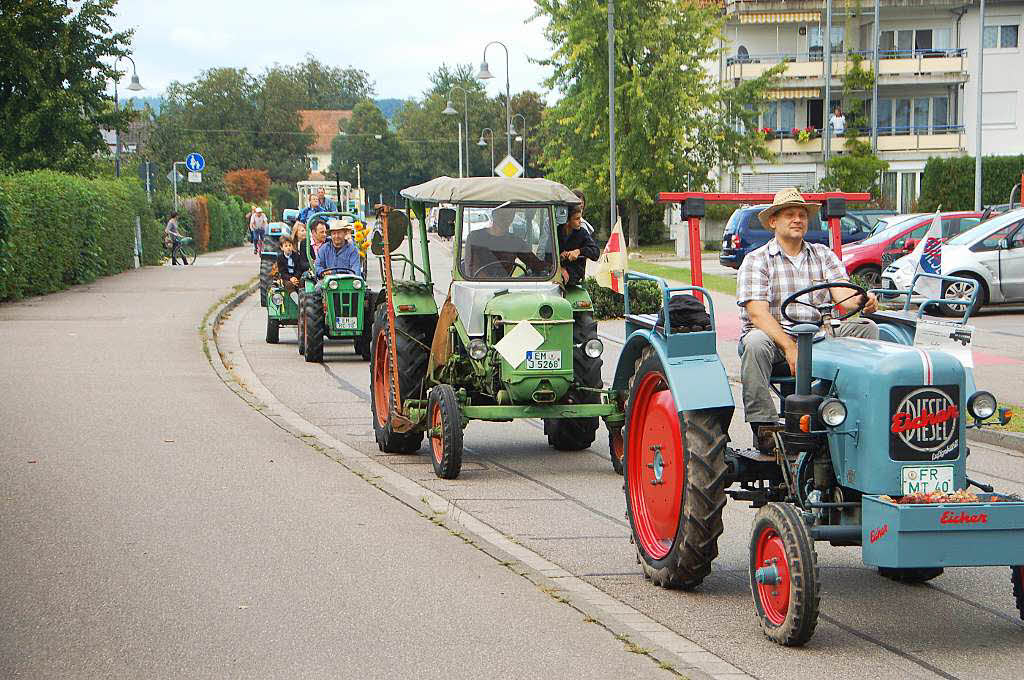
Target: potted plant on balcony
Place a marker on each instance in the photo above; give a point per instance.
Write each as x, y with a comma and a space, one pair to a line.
804, 135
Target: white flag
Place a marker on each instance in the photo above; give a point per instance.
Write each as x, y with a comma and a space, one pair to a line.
610, 271
928, 259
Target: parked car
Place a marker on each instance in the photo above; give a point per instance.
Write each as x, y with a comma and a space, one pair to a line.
872, 215
886, 222
992, 253
744, 233
866, 259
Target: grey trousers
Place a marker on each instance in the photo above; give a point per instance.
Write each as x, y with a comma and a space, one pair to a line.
758, 353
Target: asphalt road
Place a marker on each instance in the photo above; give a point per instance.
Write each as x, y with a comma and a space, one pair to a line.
569, 508
154, 525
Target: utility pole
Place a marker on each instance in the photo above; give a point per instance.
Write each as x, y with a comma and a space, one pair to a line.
977, 124
827, 104
874, 86
174, 181
611, 111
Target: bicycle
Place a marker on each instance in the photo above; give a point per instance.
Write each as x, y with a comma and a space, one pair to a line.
186, 249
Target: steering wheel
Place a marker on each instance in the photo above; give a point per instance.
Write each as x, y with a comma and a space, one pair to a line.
821, 309
515, 264
340, 270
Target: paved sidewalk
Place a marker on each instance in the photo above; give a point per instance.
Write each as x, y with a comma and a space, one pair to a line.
154, 525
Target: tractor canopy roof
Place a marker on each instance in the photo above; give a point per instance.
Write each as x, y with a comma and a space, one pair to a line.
490, 190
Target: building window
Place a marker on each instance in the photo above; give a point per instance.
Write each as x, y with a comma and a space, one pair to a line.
940, 114
814, 38
889, 189
885, 117
908, 191
787, 109
1001, 37
902, 118
921, 114
314, 163
770, 118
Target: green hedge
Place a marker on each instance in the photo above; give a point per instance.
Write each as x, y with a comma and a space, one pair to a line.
949, 182
58, 230
644, 298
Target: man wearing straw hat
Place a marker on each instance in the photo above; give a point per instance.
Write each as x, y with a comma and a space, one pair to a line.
339, 253
768, 276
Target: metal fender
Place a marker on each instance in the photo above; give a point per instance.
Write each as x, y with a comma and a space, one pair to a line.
420, 298
890, 332
698, 381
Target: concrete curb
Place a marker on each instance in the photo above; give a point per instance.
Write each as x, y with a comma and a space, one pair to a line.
639, 633
1008, 440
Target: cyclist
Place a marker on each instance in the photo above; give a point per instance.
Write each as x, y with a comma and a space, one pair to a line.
172, 233
258, 228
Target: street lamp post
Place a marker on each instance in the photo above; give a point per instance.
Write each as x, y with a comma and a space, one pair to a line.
135, 86
521, 138
450, 111
485, 74
483, 143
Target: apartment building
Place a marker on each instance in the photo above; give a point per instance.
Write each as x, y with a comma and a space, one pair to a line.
927, 83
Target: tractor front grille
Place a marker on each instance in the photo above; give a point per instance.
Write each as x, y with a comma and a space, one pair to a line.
346, 303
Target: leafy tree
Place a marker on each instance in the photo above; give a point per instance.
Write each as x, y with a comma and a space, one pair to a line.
368, 141
856, 170
330, 87
674, 122
252, 185
57, 63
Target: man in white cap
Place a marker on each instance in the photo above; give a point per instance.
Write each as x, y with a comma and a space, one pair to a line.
768, 276
339, 253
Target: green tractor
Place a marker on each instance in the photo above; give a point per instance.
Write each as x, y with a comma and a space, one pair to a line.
510, 341
334, 306
282, 310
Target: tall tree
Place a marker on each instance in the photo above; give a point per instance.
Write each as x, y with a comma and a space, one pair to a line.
331, 87
367, 141
56, 66
674, 122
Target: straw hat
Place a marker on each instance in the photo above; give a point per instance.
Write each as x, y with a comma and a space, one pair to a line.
786, 198
338, 225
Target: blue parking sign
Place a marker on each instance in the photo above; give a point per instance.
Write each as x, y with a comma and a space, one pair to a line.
195, 162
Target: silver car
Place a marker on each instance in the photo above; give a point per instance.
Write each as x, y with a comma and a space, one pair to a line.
991, 253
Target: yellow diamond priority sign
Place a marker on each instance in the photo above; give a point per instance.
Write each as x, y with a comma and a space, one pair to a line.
508, 167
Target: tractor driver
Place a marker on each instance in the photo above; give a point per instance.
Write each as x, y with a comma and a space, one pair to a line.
768, 276
339, 253
493, 252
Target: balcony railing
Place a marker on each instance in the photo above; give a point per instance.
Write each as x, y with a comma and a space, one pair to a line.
890, 138
891, 63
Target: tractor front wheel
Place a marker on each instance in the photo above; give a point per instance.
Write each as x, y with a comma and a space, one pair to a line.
273, 331
266, 264
576, 434
675, 471
784, 575
910, 574
1017, 579
413, 336
300, 325
315, 328
445, 423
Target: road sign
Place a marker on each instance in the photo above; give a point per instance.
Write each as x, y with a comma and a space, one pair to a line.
147, 167
509, 167
195, 162
174, 176
195, 177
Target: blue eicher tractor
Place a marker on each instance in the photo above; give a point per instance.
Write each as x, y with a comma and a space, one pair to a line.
864, 425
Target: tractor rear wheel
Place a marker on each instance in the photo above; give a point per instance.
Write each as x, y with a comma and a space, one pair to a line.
412, 337
315, 328
910, 574
674, 479
266, 264
784, 575
576, 434
1017, 579
444, 419
273, 331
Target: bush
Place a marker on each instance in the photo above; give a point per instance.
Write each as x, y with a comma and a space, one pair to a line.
282, 196
949, 182
644, 298
47, 245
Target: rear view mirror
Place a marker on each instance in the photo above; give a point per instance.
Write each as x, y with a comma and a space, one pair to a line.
446, 222
561, 214
398, 225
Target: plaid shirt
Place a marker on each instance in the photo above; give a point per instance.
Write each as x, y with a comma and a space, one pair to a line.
767, 274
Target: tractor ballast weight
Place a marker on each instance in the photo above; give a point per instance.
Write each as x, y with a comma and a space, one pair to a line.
866, 424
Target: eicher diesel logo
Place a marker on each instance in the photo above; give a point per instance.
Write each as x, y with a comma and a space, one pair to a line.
962, 518
925, 423
879, 532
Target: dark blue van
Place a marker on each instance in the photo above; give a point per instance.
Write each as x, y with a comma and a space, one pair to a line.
744, 233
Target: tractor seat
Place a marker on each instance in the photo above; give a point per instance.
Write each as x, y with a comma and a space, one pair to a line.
648, 321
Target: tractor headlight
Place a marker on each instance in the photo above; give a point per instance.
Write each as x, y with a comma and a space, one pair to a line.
333, 285
277, 299
832, 412
357, 284
981, 405
593, 348
477, 349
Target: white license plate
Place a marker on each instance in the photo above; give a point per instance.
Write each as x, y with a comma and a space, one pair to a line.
346, 323
927, 478
544, 361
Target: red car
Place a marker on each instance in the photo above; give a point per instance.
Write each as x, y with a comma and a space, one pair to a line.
866, 259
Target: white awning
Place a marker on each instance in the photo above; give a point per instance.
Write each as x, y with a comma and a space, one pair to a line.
781, 18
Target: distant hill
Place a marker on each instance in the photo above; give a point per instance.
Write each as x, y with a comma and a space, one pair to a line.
389, 107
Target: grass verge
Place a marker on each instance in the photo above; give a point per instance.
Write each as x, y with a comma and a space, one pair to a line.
715, 282
1016, 423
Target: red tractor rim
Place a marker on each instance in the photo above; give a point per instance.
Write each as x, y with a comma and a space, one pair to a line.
437, 435
656, 466
774, 597
381, 380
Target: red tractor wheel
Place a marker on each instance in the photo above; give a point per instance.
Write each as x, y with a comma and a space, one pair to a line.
1017, 579
674, 465
445, 421
784, 575
412, 337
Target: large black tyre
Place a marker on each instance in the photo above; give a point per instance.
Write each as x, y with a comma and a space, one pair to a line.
615, 448
955, 289
273, 331
784, 578
444, 418
1017, 579
315, 328
676, 517
413, 337
266, 264
576, 434
188, 253
870, 276
300, 324
910, 575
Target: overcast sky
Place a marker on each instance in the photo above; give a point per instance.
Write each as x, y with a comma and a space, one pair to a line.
398, 42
